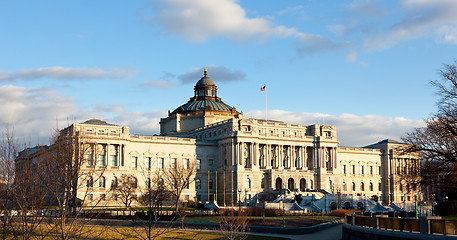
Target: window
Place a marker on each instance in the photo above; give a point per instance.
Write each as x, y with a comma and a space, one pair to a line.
173, 163
198, 184
371, 187
147, 163
90, 182
113, 132
362, 170
101, 160
160, 162
88, 159
89, 131
113, 160
101, 131
379, 170
344, 186
186, 163
371, 170
101, 182
114, 197
134, 162
353, 186
210, 183
379, 186
198, 164
148, 183
344, 169
353, 169
248, 183
90, 197
102, 197
114, 182
362, 187
262, 183
134, 182
210, 164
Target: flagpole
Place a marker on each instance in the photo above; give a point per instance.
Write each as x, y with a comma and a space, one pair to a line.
266, 108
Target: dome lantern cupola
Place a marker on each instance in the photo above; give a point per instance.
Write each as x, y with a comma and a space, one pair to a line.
205, 89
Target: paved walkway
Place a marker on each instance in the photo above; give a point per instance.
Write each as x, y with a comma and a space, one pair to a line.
331, 233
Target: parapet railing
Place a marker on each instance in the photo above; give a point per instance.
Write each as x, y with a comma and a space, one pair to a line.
424, 225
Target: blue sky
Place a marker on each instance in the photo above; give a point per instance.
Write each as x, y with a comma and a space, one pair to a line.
364, 66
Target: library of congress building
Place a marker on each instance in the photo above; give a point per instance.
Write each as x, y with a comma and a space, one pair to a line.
240, 159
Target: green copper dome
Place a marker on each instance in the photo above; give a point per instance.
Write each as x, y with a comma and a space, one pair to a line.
205, 98
202, 105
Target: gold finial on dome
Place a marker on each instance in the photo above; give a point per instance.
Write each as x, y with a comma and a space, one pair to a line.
206, 72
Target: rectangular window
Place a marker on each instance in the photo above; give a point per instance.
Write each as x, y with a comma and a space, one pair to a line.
210, 164
371, 170
88, 159
186, 163
101, 160
113, 160
353, 169
362, 170
90, 197
147, 162
102, 197
344, 169
173, 163
160, 162
379, 170
198, 164
134, 162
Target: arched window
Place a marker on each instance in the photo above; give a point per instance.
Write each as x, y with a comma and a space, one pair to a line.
134, 182
90, 182
114, 182
101, 182
311, 184
248, 183
278, 183
291, 184
362, 187
330, 185
371, 187
198, 184
353, 186
344, 186
302, 184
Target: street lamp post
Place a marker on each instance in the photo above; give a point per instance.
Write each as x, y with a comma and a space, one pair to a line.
283, 214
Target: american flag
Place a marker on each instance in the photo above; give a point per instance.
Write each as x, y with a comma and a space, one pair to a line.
262, 88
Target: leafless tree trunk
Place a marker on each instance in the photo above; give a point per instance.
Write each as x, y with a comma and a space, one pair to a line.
233, 224
178, 178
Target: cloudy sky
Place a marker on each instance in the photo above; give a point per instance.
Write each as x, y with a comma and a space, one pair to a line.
364, 66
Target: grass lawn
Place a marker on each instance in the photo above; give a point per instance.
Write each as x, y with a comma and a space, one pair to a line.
117, 233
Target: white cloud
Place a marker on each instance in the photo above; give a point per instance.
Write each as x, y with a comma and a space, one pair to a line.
221, 73
199, 20
421, 18
351, 56
352, 130
448, 33
33, 112
60, 73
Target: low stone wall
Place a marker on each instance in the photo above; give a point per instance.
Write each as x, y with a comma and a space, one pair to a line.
362, 233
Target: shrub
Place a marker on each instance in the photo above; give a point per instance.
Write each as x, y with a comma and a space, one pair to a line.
342, 212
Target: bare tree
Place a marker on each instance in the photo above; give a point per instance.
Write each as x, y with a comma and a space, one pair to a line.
125, 190
437, 141
233, 224
178, 177
65, 177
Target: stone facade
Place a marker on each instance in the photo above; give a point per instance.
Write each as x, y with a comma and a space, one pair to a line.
238, 159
